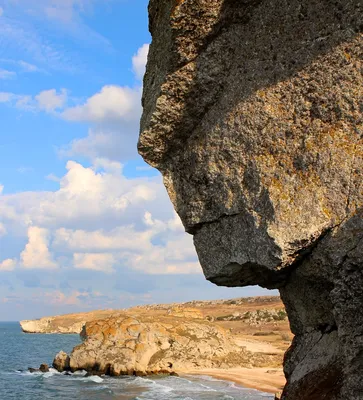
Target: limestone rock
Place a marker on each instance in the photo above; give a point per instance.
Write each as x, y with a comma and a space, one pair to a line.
185, 312
61, 362
44, 325
66, 324
140, 345
253, 114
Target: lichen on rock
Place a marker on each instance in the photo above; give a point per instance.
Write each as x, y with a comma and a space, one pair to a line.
253, 114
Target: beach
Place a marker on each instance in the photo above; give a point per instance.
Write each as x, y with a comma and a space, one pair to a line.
270, 380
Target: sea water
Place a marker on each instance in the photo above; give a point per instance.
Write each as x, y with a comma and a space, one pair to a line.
18, 351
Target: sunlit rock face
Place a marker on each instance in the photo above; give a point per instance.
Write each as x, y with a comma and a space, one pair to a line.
144, 345
253, 114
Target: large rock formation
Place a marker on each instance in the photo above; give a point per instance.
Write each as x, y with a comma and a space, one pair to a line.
68, 323
143, 345
253, 114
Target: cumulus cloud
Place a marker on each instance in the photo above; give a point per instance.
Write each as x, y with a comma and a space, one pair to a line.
50, 100
47, 100
111, 104
100, 220
139, 61
113, 114
36, 254
8, 265
94, 261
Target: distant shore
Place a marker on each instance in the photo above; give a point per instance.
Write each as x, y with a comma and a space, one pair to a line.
270, 380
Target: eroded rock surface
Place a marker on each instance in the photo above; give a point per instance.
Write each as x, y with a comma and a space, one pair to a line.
68, 323
143, 345
253, 114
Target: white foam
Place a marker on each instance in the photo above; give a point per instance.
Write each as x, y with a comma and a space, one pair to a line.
95, 378
78, 373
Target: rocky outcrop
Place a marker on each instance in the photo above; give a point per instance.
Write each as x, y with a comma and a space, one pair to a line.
253, 114
141, 345
61, 362
45, 325
68, 323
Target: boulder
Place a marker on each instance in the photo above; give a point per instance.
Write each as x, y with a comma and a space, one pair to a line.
44, 368
252, 111
61, 361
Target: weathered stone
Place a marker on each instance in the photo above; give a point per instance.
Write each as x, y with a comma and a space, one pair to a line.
61, 362
69, 323
253, 114
140, 345
44, 368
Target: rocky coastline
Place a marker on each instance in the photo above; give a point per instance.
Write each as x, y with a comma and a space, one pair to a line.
246, 335
62, 324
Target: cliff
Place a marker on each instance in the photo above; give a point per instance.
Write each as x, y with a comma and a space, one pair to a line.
187, 337
139, 345
253, 114
69, 323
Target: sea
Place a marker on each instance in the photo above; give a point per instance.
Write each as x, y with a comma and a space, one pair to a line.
19, 351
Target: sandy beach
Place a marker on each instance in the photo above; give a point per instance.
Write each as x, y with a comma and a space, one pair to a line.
270, 380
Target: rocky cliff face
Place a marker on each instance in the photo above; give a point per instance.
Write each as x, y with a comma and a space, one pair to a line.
141, 345
253, 114
69, 323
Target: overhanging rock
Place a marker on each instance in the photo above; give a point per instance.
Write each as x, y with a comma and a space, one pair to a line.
253, 114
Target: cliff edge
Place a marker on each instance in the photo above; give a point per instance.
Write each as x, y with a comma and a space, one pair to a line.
68, 323
253, 114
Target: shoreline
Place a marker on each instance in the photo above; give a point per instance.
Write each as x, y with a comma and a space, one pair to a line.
269, 380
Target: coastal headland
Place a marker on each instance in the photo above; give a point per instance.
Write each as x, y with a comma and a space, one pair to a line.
241, 340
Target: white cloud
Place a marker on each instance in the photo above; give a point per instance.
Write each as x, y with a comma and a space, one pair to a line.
47, 100
8, 265
52, 177
114, 115
112, 103
50, 100
139, 61
95, 261
24, 170
3, 230
5, 74
64, 11
97, 213
27, 67
36, 254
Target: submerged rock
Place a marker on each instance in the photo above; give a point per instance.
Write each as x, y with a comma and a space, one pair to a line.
253, 114
43, 368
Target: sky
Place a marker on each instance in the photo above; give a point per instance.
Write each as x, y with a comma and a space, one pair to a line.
84, 222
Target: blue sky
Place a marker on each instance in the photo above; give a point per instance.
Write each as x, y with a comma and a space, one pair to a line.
84, 222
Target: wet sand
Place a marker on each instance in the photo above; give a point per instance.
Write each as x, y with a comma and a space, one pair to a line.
270, 380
